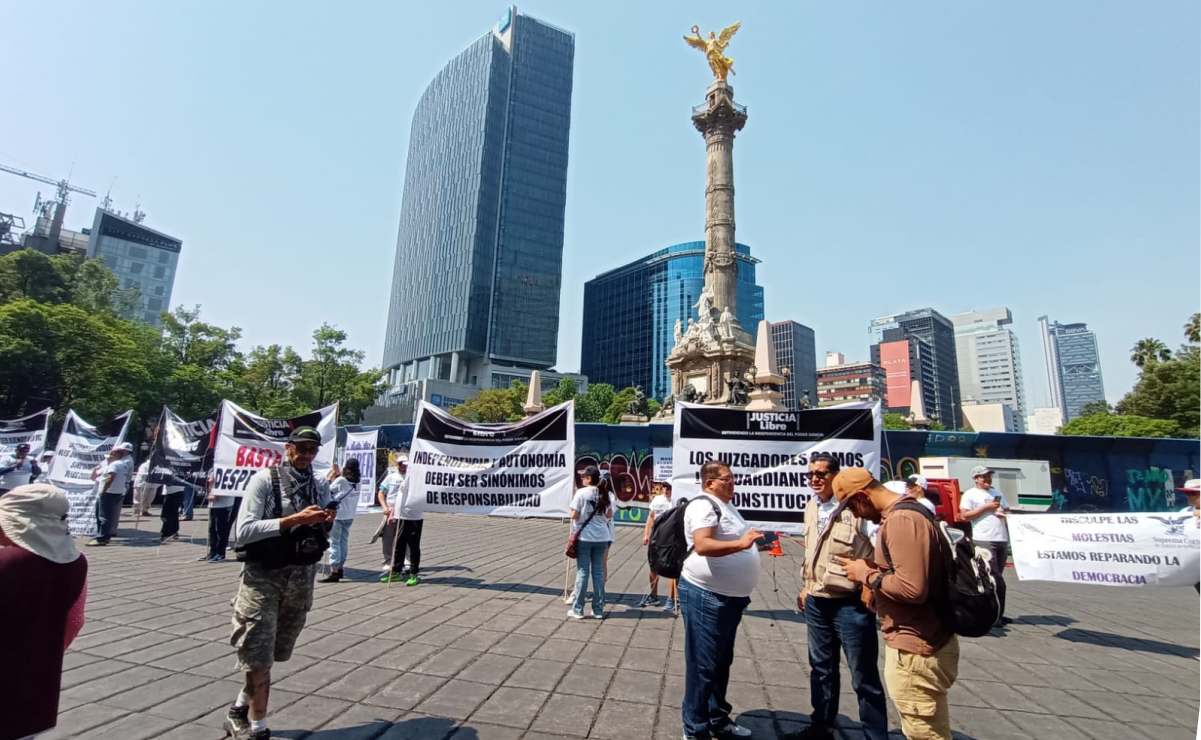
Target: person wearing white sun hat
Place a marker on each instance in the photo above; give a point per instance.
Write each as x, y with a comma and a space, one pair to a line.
43, 588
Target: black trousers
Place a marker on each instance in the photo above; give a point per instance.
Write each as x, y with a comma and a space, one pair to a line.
170, 513
408, 544
220, 521
1000, 553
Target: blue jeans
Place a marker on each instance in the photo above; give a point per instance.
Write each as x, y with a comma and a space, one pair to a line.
339, 542
108, 515
590, 556
710, 626
189, 501
845, 621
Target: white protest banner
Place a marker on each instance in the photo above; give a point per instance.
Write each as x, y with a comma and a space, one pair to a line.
520, 469
661, 457
30, 430
768, 452
181, 449
1107, 549
361, 446
81, 447
247, 443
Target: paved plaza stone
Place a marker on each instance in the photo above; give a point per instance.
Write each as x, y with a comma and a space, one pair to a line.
482, 649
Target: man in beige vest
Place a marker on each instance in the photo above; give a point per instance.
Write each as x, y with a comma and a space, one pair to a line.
834, 613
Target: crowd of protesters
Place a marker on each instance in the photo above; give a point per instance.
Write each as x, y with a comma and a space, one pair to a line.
871, 565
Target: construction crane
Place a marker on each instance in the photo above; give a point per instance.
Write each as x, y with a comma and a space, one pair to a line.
40, 206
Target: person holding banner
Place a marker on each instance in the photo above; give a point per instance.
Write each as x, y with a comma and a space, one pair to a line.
591, 517
405, 520
112, 478
17, 469
343, 493
281, 535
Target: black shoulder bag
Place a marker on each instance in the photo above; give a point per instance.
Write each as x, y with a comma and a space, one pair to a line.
302, 545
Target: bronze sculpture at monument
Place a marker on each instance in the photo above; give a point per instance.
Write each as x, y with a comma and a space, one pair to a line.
712, 354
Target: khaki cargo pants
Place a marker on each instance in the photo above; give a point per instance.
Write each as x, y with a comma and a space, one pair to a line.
918, 686
269, 612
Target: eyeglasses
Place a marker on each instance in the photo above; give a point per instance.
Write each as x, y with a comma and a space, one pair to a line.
820, 474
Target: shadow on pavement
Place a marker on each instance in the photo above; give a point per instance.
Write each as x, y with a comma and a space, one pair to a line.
1138, 644
1045, 619
423, 728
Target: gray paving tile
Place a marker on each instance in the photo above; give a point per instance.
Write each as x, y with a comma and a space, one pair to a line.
621, 719
537, 674
510, 706
456, 699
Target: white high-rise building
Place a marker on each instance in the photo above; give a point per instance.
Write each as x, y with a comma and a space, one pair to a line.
990, 363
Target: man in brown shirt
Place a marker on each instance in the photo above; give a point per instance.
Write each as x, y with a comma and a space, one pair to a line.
921, 654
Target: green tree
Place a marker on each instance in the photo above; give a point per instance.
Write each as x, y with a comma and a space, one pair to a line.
28, 273
1169, 391
591, 406
1119, 425
1149, 351
566, 390
263, 381
332, 374
895, 421
1192, 329
494, 405
1095, 407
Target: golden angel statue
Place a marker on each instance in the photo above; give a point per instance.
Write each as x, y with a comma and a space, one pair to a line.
714, 48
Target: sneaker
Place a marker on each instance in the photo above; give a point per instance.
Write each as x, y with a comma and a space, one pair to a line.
598, 616
170, 538
570, 598
263, 734
334, 575
669, 606
205, 558
734, 730
391, 577
237, 721
217, 559
412, 580
649, 600
574, 614
97, 543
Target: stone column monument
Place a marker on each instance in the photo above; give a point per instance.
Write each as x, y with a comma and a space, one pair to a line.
710, 358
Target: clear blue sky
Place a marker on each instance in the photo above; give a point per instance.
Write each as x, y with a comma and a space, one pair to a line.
1042, 156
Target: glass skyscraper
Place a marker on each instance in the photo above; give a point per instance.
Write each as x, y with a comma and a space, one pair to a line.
932, 358
1073, 366
479, 249
796, 349
630, 314
141, 258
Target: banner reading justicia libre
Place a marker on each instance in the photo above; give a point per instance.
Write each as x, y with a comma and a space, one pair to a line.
768, 452
30, 430
247, 443
81, 447
520, 469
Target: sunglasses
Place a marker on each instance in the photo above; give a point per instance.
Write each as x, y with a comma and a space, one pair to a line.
305, 448
820, 474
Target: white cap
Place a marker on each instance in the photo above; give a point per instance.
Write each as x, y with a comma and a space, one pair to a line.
125, 447
896, 486
918, 480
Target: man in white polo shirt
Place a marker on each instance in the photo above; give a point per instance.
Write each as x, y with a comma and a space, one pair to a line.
715, 588
985, 507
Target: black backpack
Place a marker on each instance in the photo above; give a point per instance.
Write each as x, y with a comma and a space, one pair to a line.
296, 546
668, 548
967, 599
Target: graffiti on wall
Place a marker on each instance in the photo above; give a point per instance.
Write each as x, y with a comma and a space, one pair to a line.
1150, 489
1075, 490
632, 474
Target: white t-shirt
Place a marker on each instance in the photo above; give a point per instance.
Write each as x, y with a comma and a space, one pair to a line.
20, 475
824, 510
344, 493
390, 485
660, 505
598, 529
120, 470
990, 527
139, 478
731, 575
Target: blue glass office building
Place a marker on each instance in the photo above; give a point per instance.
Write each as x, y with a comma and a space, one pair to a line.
1073, 366
630, 314
480, 245
141, 258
